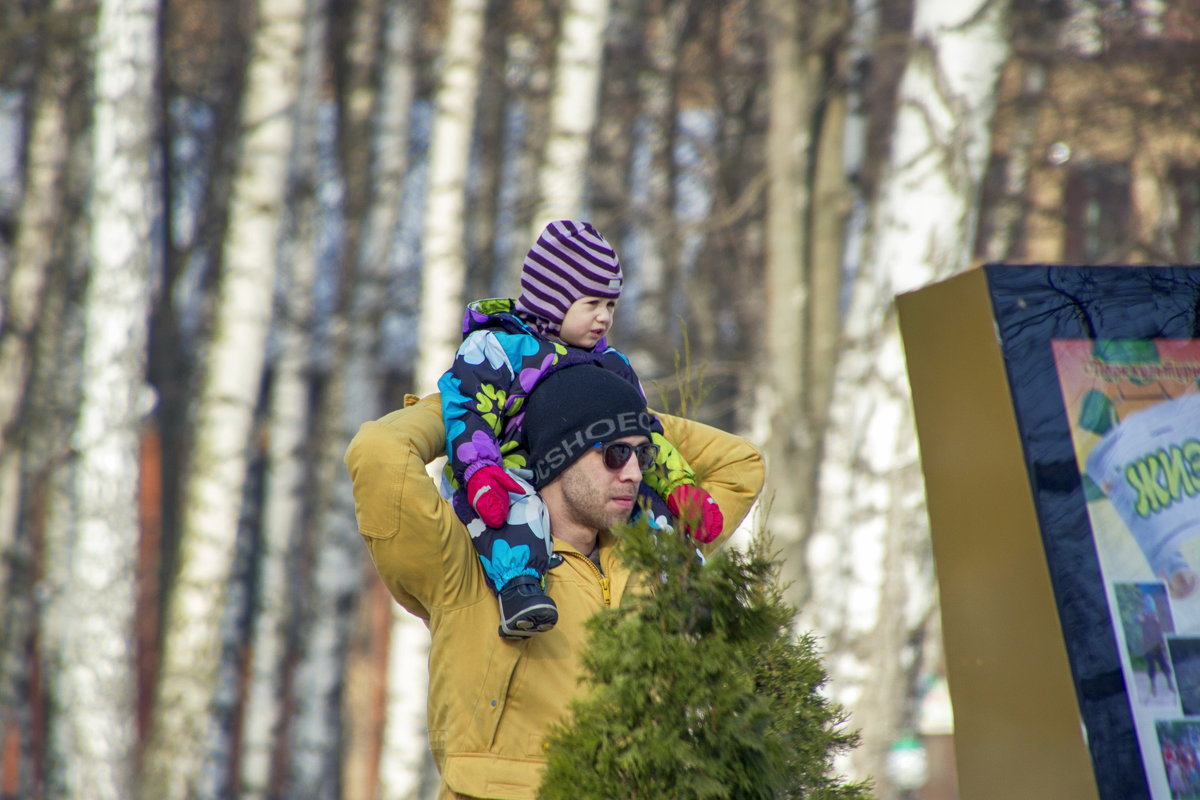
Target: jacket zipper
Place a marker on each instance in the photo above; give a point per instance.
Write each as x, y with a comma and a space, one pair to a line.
600, 577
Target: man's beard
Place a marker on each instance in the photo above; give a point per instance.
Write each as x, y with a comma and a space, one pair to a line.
588, 505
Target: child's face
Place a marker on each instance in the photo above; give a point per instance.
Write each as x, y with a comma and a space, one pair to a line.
587, 321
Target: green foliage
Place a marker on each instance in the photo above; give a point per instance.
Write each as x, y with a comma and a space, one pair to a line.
698, 689
691, 386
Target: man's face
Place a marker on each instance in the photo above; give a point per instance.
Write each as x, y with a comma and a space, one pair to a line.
599, 497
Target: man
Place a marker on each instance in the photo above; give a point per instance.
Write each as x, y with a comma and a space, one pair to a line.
493, 700
1153, 645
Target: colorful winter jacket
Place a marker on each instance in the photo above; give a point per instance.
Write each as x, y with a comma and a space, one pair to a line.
499, 363
493, 700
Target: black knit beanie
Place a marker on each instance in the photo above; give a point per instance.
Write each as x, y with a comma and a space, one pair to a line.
573, 409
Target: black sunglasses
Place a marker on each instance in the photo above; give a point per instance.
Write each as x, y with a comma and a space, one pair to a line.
615, 454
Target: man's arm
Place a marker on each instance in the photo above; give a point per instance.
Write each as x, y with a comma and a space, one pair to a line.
420, 549
726, 465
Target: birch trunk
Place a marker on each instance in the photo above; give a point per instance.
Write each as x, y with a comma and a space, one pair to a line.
443, 274
830, 209
610, 168
48, 498
317, 740
288, 418
94, 690
339, 566
733, 256
1009, 209
529, 58
783, 425
356, 64
574, 101
869, 557
359, 60
443, 277
321, 736
400, 758
39, 228
233, 372
318, 733
413, 774
806, 175
485, 203
39, 224
654, 226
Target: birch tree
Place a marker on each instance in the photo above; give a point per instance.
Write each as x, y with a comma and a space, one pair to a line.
872, 583
443, 273
318, 730
443, 280
402, 753
364, 390
830, 208
337, 578
226, 403
93, 686
731, 262
803, 260
574, 100
785, 431
288, 421
654, 225
529, 59
486, 201
610, 166
49, 491
1001, 239
39, 228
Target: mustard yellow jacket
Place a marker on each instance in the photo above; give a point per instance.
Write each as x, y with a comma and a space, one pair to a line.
492, 700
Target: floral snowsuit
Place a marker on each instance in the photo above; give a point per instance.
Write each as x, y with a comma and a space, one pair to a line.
501, 360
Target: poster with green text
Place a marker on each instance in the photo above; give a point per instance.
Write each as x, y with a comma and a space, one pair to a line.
1134, 413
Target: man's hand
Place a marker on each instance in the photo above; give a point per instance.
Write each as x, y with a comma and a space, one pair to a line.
487, 491
697, 512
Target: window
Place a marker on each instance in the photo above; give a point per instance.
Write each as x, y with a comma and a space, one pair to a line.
1098, 214
1181, 217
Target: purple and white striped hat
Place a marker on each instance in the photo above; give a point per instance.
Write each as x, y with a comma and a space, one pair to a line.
568, 261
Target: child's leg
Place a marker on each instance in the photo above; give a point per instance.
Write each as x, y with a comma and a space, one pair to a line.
1152, 667
651, 504
1164, 666
515, 558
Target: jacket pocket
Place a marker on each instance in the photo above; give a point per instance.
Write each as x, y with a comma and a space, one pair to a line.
482, 775
493, 693
377, 506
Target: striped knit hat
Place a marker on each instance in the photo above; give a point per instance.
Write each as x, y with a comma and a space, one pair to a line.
569, 260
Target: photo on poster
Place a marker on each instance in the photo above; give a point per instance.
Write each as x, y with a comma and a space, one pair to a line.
1179, 751
1146, 619
1133, 407
1185, 660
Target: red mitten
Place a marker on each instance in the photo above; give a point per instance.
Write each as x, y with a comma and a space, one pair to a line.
697, 512
487, 491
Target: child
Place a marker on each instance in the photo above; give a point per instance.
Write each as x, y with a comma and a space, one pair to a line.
570, 283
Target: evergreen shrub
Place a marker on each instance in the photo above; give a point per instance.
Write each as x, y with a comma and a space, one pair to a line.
698, 688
